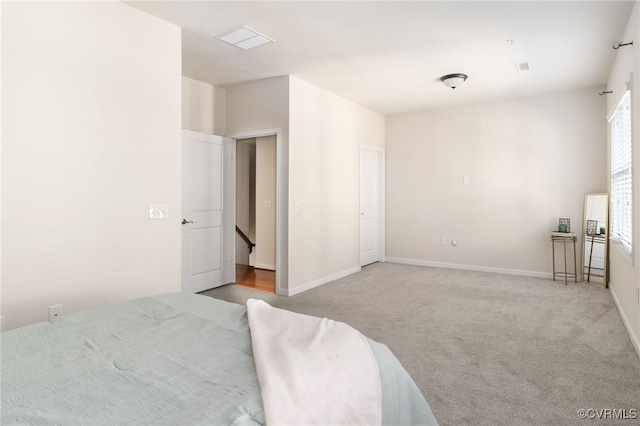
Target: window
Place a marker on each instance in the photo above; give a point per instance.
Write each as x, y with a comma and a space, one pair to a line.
621, 174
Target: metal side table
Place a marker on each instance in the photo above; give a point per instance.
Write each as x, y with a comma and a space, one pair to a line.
564, 238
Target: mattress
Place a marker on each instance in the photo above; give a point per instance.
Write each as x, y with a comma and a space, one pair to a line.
172, 359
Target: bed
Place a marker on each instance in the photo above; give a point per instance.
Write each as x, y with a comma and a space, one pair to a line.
182, 359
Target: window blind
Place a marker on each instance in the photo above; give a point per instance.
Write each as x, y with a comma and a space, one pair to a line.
621, 174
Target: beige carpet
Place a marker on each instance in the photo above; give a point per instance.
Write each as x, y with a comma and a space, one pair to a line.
487, 349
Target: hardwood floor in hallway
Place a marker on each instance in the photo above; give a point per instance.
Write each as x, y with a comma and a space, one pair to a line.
258, 279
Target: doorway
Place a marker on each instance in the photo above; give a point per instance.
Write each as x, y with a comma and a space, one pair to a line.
256, 212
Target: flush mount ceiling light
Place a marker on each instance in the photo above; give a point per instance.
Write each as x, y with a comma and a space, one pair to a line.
453, 80
244, 38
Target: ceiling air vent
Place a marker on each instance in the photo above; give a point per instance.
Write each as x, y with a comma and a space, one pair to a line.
522, 66
244, 38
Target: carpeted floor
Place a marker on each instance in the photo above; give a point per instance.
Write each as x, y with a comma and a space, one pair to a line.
487, 349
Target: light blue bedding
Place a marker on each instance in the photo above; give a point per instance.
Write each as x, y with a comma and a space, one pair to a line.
173, 359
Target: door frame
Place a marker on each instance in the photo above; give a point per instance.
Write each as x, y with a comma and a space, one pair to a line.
381, 198
277, 132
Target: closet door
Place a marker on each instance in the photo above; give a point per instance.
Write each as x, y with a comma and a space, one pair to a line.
370, 206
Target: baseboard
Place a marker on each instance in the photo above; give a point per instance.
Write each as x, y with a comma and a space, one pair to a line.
317, 283
534, 274
264, 266
632, 336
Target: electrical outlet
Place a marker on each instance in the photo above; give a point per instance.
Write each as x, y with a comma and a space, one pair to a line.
638, 296
55, 312
454, 242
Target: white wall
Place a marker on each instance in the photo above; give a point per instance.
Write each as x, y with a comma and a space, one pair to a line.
326, 132
321, 134
265, 203
264, 105
90, 137
625, 271
258, 105
203, 107
529, 162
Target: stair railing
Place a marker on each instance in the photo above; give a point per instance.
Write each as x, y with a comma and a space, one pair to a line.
250, 245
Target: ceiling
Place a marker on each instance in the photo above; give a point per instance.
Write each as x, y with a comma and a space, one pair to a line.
389, 55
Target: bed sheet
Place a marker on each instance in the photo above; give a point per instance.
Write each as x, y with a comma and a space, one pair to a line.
171, 359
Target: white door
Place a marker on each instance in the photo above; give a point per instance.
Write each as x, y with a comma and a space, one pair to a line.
370, 205
208, 245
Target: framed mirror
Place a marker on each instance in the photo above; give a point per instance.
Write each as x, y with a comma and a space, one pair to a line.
595, 250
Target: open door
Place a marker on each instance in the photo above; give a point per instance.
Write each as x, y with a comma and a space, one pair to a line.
208, 211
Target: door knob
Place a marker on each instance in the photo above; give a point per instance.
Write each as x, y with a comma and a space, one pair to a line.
185, 221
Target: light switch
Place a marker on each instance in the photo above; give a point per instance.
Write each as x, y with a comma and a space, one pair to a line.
466, 181
158, 211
